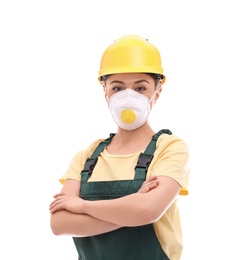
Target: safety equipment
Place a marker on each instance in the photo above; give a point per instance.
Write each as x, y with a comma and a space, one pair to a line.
129, 54
129, 108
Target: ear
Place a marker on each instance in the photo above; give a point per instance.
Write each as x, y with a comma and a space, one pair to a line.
157, 94
105, 90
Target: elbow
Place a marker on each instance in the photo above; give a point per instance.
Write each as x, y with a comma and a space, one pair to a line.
144, 217
54, 229
150, 214
150, 217
55, 225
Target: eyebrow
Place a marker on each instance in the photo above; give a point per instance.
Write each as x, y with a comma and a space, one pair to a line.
136, 82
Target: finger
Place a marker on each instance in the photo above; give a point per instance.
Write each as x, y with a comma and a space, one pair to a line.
55, 209
152, 178
57, 201
58, 205
59, 194
153, 186
147, 184
144, 189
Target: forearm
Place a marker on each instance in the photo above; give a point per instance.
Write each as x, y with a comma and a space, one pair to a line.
79, 225
136, 209
132, 210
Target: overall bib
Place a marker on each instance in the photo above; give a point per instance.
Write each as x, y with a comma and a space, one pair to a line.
127, 243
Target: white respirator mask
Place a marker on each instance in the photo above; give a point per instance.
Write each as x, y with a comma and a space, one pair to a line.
129, 108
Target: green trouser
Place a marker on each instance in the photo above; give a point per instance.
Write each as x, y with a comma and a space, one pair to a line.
127, 243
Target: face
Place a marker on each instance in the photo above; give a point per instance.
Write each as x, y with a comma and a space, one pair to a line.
140, 82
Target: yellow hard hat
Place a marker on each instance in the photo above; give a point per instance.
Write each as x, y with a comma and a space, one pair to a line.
129, 54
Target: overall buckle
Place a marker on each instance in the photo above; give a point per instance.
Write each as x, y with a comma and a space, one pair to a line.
144, 161
89, 165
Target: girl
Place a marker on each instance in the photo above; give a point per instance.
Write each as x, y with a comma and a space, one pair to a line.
119, 195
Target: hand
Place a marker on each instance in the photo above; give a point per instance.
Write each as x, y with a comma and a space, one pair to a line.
149, 184
69, 202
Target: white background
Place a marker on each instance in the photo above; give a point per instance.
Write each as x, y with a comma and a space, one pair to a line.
51, 106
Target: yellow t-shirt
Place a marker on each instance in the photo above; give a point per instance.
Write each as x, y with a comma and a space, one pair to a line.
170, 159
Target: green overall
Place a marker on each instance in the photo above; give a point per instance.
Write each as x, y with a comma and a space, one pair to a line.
127, 243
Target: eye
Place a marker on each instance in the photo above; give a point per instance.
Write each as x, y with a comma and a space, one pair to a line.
117, 88
140, 88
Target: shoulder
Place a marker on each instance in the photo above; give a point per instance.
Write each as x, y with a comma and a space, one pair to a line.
77, 163
171, 142
89, 149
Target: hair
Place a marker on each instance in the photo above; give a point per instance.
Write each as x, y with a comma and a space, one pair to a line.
157, 77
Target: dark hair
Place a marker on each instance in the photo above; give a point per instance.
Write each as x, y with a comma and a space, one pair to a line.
104, 77
155, 76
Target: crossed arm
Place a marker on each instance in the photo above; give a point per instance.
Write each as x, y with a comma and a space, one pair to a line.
71, 215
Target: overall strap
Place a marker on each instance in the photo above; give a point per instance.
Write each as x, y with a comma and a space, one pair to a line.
146, 157
92, 160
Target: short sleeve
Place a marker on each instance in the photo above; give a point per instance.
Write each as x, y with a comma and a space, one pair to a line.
77, 163
171, 159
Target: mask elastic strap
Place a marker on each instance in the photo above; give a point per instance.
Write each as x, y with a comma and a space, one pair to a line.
151, 99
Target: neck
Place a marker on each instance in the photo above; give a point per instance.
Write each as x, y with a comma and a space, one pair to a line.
131, 141
141, 132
